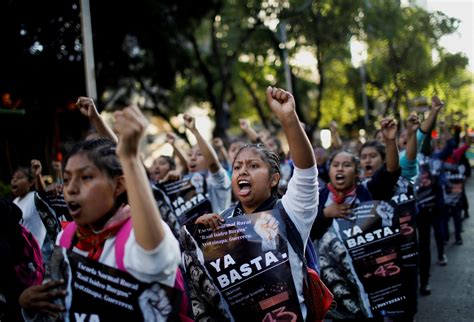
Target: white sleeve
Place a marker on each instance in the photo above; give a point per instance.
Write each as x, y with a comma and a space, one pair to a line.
157, 265
301, 199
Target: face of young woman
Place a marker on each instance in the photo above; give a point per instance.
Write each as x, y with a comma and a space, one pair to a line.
159, 169
251, 179
89, 193
370, 161
196, 162
342, 172
20, 184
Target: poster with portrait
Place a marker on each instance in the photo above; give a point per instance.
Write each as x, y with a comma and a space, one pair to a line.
425, 186
247, 258
405, 207
454, 175
372, 237
188, 197
96, 292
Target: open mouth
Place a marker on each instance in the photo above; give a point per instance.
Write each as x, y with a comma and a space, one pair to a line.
244, 188
74, 208
368, 168
340, 178
192, 166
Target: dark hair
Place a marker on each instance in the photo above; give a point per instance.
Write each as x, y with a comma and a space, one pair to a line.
101, 152
353, 158
376, 145
169, 160
26, 171
270, 158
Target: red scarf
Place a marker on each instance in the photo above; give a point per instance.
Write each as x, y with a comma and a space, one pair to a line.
339, 197
93, 242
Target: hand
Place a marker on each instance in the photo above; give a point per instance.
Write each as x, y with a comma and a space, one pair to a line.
281, 102
436, 103
172, 175
189, 122
210, 220
38, 298
36, 167
389, 129
87, 107
244, 124
218, 144
57, 166
266, 227
130, 125
335, 210
413, 123
170, 138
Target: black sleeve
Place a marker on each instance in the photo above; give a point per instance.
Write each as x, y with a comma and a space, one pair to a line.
321, 223
382, 185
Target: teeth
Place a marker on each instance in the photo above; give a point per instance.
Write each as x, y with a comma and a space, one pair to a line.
244, 182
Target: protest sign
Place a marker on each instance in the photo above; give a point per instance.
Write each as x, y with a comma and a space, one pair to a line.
188, 197
96, 292
454, 184
372, 237
247, 258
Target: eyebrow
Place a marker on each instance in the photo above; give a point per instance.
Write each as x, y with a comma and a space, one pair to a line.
78, 170
248, 160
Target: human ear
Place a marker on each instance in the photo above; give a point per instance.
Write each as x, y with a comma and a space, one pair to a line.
120, 186
274, 180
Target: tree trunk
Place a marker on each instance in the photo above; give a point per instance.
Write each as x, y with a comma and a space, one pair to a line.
256, 102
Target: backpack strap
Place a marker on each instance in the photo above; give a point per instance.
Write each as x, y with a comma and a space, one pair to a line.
67, 235
120, 241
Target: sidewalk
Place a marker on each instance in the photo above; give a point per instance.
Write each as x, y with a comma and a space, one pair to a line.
452, 286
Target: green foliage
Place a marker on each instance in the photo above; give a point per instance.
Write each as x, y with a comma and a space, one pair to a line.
5, 190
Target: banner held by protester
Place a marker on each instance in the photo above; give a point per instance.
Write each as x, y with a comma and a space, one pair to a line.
96, 292
247, 257
372, 237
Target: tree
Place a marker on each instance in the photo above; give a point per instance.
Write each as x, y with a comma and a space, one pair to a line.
401, 41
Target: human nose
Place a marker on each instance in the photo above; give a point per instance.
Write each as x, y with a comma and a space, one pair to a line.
243, 170
72, 187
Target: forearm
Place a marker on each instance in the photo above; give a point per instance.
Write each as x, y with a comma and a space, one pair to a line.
180, 155
392, 160
39, 183
251, 134
102, 128
427, 125
146, 218
300, 147
208, 152
411, 146
223, 154
336, 140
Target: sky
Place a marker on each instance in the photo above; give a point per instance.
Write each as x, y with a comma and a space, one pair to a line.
463, 39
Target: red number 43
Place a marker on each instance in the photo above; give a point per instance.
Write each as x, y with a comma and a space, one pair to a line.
387, 269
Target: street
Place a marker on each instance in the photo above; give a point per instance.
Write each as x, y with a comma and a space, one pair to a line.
452, 286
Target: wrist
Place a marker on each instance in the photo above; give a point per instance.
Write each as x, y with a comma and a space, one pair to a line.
127, 159
289, 119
